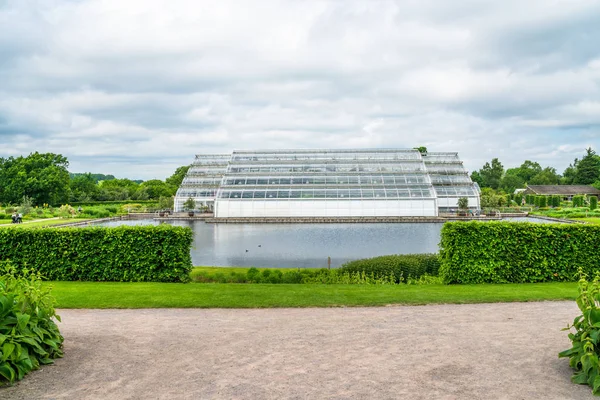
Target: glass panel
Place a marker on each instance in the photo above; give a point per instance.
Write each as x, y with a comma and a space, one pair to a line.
271, 194
259, 194
307, 193
367, 193
319, 193
262, 181
342, 193
331, 194
283, 194
248, 194
354, 193
379, 193
251, 181
295, 194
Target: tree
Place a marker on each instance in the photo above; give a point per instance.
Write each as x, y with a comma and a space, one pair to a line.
157, 188
422, 149
83, 187
588, 169
547, 176
177, 177
476, 177
568, 175
189, 204
41, 176
510, 182
492, 174
526, 171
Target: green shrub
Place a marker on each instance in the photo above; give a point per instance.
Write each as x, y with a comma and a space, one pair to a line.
578, 201
519, 199
585, 350
500, 252
401, 266
28, 335
126, 253
593, 202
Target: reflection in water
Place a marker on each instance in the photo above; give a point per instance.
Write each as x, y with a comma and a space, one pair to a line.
303, 245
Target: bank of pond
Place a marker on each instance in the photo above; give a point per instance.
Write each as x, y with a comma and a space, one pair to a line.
469, 252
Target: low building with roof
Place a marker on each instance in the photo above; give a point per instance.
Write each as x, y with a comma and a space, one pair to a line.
566, 192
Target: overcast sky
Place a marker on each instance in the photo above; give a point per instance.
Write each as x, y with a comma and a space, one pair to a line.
137, 87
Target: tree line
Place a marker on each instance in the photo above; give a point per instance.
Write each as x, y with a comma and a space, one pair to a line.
581, 172
44, 179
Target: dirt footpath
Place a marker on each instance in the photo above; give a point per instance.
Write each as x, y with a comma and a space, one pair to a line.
482, 351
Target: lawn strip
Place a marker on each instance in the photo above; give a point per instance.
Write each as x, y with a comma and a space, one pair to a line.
213, 295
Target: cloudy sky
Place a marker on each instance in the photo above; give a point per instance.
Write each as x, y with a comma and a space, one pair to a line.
137, 87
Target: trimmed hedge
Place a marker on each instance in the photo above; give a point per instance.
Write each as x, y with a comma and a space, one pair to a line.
126, 253
523, 252
402, 266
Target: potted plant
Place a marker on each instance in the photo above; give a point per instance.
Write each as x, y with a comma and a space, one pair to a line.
463, 206
189, 205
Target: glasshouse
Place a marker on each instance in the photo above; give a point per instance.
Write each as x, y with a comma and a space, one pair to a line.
327, 183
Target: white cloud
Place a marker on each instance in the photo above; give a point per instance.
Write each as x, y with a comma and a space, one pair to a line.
135, 88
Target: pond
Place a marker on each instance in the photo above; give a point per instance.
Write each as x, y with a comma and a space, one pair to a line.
303, 245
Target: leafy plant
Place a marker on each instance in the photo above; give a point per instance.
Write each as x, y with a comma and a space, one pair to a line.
583, 355
126, 253
401, 266
29, 336
463, 203
593, 202
502, 252
189, 204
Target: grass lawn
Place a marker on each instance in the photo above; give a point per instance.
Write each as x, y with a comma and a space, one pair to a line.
213, 295
591, 220
40, 223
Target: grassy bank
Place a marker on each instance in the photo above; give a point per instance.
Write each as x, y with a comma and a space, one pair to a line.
172, 295
41, 223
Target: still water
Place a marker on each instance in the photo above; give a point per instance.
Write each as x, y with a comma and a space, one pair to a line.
303, 245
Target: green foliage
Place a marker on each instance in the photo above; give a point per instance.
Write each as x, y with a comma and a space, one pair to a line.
401, 266
501, 252
463, 203
177, 177
41, 176
588, 168
491, 174
189, 204
28, 335
593, 202
519, 199
578, 201
127, 253
542, 201
166, 202
583, 355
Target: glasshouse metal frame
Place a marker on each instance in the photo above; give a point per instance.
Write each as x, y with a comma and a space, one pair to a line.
327, 183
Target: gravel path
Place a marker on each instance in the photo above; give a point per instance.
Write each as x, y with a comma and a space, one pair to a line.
481, 351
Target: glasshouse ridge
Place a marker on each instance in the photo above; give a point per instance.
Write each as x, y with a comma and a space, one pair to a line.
327, 183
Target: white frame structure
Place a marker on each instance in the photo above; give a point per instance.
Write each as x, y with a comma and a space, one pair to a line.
327, 183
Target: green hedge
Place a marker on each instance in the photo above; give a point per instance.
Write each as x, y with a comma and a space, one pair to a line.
126, 253
402, 266
502, 252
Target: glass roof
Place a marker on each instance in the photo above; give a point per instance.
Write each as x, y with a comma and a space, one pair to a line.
327, 174
325, 155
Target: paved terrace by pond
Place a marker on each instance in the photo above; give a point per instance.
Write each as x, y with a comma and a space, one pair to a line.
479, 351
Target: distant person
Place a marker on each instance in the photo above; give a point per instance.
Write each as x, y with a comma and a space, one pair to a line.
14, 218
19, 218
